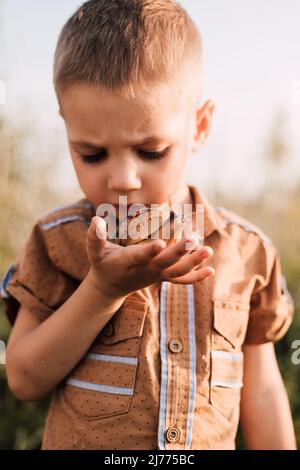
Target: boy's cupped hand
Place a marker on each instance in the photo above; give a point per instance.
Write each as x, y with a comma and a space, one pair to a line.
117, 271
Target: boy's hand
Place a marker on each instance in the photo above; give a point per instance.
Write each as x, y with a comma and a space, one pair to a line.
117, 271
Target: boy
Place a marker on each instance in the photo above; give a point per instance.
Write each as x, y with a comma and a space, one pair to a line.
145, 346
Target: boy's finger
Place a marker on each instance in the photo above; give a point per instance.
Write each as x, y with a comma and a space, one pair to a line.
170, 255
186, 264
194, 276
96, 237
174, 253
143, 253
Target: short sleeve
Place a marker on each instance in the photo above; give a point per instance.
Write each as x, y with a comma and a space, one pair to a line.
34, 281
272, 307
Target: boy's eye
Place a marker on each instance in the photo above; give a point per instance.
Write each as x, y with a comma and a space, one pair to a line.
147, 155
94, 158
153, 155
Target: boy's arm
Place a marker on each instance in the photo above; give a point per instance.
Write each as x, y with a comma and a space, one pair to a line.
40, 354
266, 419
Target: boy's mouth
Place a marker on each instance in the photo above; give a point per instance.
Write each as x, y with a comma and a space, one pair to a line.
135, 209
142, 224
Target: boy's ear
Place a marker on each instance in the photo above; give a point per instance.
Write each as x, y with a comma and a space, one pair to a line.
203, 124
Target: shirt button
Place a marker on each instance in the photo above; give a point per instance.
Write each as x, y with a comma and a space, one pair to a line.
109, 330
175, 346
172, 435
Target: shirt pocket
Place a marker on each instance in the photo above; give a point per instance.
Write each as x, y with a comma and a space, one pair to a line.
103, 382
230, 321
226, 380
229, 326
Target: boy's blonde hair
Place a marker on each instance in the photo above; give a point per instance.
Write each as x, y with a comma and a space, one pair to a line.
119, 43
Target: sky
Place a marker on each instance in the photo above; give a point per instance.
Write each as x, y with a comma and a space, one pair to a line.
251, 72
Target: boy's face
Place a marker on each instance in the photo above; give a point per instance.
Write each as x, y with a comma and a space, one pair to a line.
132, 147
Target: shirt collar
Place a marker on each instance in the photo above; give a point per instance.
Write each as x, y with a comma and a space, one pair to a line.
212, 219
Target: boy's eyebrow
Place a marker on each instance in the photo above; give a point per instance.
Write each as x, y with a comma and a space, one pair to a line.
148, 140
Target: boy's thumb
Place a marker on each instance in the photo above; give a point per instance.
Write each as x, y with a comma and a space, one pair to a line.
100, 228
96, 237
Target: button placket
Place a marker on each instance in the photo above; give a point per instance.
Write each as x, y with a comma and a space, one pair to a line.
178, 359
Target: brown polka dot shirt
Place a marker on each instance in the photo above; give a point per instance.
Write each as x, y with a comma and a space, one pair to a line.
166, 371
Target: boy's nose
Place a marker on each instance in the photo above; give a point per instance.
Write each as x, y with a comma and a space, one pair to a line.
123, 178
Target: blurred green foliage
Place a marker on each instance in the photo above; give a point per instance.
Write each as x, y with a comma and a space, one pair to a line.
275, 209
21, 423
277, 214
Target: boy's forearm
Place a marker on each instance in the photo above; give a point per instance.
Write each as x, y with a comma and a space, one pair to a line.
266, 420
42, 358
